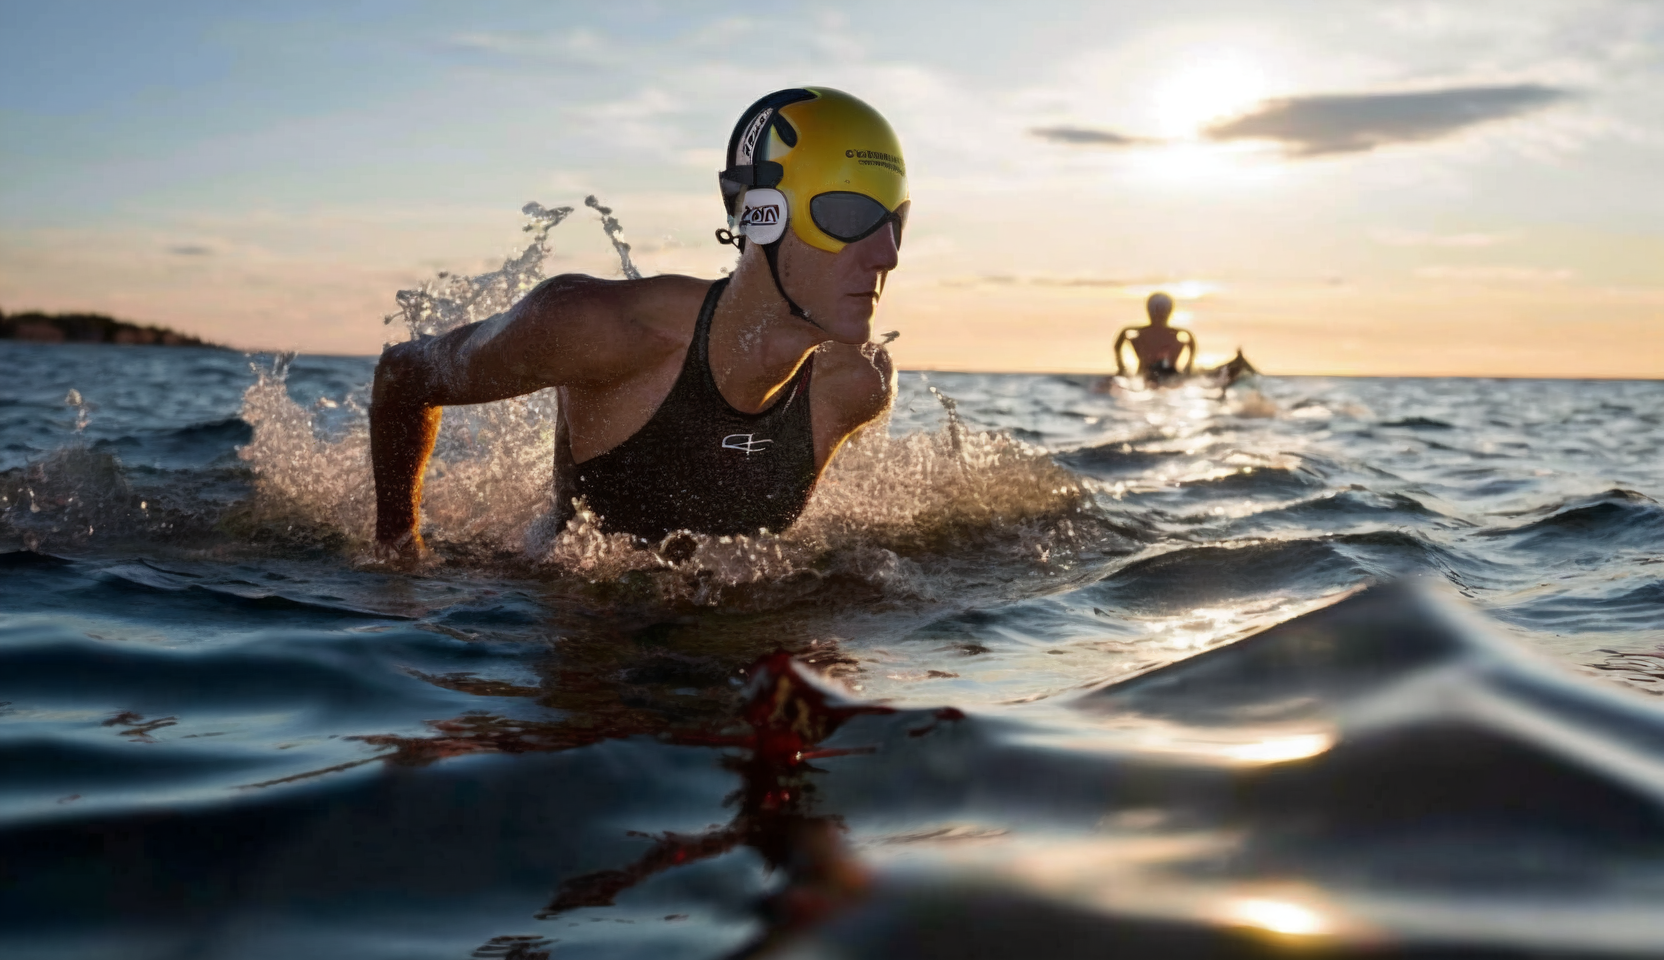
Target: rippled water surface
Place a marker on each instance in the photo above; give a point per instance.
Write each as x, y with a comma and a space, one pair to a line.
1104, 674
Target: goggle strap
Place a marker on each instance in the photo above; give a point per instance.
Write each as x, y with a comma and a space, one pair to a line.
771, 251
765, 174
739, 178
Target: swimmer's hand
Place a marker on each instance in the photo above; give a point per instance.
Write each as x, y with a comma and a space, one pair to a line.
403, 550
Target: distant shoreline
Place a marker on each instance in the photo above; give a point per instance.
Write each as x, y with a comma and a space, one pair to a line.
36, 327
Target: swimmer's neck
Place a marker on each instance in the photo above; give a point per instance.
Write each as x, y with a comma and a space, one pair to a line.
756, 344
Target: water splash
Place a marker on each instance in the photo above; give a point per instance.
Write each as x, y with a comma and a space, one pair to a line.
919, 515
489, 477
67, 497
615, 233
889, 512
81, 407
955, 426
450, 301
70, 494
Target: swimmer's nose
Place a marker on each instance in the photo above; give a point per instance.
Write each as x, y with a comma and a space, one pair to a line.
878, 252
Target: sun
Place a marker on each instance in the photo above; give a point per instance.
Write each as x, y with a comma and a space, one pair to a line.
1204, 88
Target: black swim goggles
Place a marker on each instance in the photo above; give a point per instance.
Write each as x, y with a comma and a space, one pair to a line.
852, 217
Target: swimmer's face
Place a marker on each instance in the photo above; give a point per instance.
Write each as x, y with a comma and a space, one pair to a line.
839, 289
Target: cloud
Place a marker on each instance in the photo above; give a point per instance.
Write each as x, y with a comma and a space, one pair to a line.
1414, 238
577, 47
1085, 136
1184, 289
191, 250
1495, 274
1311, 126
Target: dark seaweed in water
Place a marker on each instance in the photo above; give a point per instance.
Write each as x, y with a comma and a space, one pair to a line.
1108, 687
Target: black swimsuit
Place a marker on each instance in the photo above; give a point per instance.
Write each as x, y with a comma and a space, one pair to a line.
699, 464
1163, 372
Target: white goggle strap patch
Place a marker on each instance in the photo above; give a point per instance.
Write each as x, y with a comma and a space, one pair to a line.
763, 215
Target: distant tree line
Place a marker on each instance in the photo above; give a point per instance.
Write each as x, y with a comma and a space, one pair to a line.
89, 328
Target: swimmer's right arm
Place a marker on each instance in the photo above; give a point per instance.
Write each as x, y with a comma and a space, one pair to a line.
569, 330
1120, 364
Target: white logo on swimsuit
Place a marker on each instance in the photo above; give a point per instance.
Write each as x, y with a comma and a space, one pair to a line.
745, 441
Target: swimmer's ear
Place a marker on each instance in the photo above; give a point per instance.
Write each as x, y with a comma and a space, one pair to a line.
763, 215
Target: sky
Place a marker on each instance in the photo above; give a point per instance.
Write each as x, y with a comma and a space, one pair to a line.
1390, 187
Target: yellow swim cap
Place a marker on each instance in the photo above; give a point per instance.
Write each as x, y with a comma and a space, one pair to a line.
818, 158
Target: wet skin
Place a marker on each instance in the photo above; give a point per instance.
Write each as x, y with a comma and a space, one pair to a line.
615, 349
1156, 344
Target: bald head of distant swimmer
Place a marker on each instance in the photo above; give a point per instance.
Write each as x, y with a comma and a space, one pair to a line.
1160, 306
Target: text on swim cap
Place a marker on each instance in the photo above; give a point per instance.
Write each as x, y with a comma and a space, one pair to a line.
878, 158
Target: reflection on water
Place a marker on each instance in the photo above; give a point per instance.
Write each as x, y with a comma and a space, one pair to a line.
785, 715
1278, 916
1280, 749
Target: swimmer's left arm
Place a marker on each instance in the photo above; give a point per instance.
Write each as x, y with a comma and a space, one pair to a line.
569, 330
853, 386
1187, 341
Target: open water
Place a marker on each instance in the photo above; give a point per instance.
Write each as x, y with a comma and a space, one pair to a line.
1317, 667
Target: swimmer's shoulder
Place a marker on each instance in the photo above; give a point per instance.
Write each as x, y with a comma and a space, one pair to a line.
663, 310
859, 378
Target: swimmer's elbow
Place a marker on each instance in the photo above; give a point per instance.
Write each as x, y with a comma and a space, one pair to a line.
430, 372
402, 378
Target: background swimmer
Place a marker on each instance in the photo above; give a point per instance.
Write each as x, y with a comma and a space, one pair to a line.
1157, 346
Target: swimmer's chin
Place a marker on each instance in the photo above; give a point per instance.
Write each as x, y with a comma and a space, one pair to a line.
853, 326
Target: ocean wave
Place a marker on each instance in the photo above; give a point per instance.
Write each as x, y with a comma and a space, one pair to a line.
1358, 775
1216, 575
184, 448
1607, 609
1418, 423
1354, 503
1616, 518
